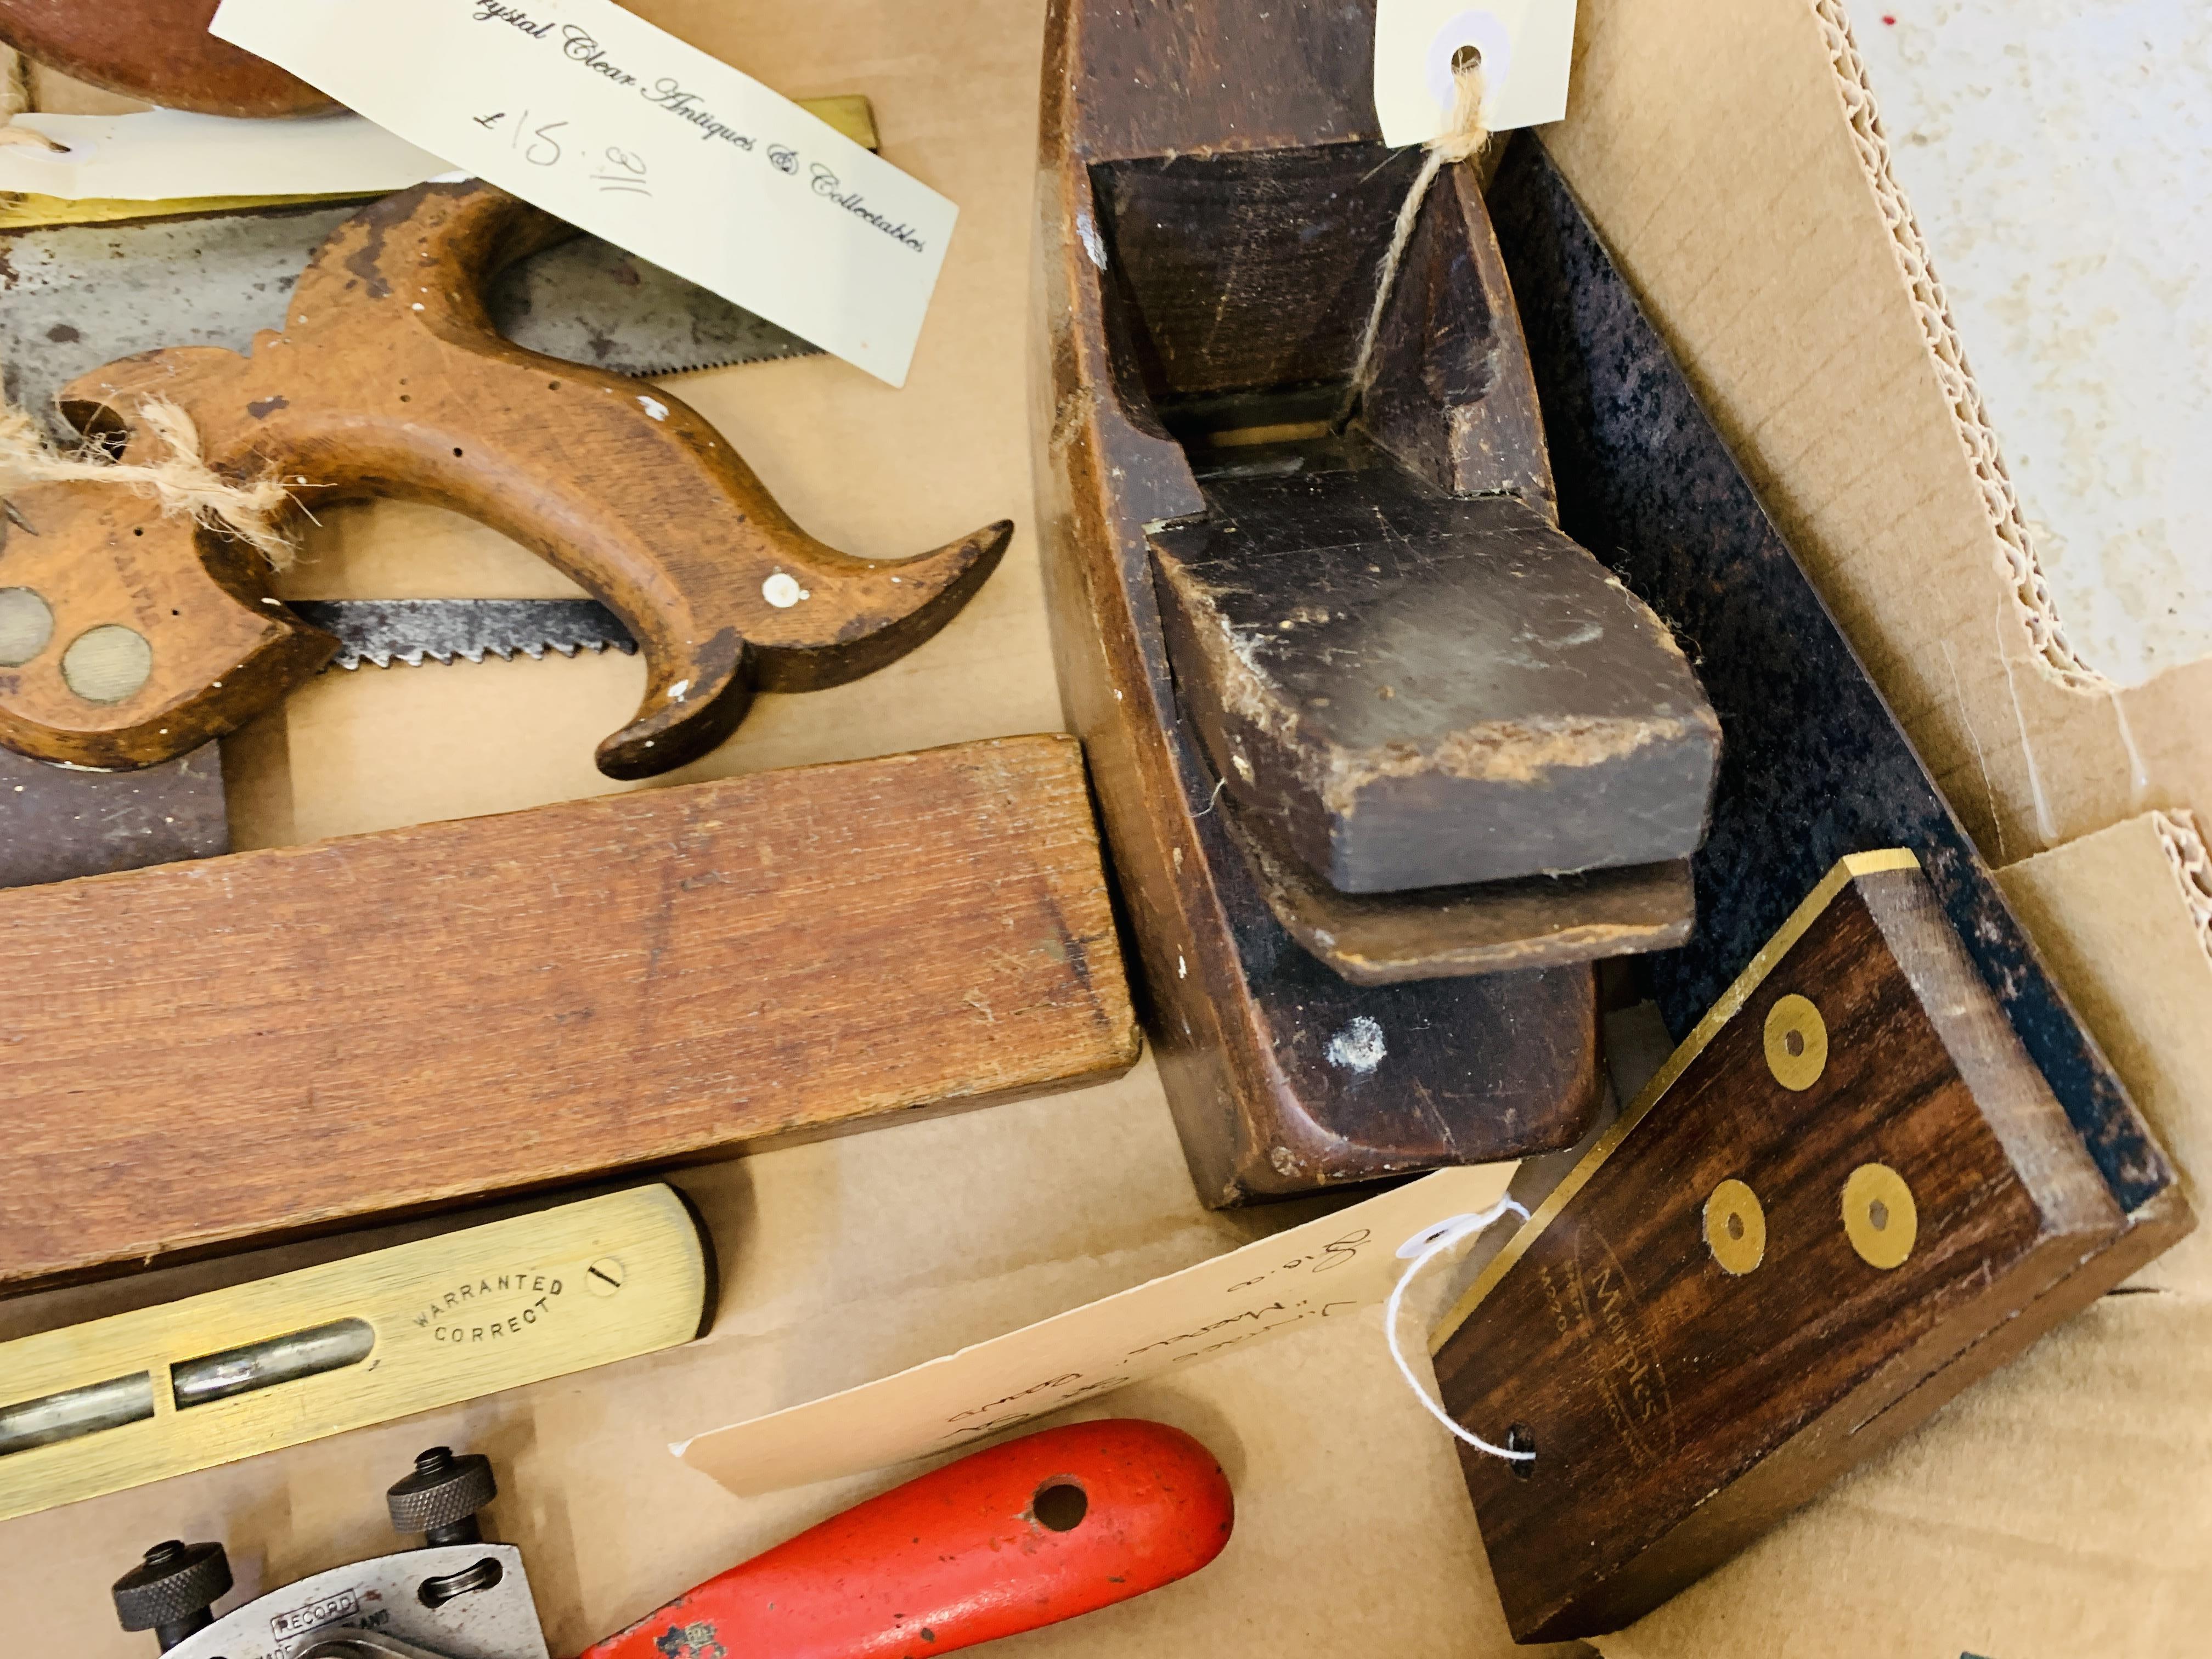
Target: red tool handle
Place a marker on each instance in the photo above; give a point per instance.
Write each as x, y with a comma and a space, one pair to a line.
1027, 1534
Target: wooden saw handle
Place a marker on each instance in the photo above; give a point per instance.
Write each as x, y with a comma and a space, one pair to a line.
389, 380
157, 50
1025, 1534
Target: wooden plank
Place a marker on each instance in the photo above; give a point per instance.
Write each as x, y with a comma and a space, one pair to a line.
1848, 1195
245, 1047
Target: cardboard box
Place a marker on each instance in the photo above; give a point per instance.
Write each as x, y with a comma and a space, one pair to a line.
2054, 1511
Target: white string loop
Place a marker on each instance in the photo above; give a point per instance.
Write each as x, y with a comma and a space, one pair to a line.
1422, 1249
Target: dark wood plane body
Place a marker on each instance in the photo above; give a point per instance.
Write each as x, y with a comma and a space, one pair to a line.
1214, 214
1689, 1365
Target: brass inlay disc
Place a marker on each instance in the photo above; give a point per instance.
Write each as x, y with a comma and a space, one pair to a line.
1735, 1227
108, 663
26, 622
1879, 1215
1796, 1043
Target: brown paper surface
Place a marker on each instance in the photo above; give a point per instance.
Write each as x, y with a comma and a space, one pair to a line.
1327, 1271
2054, 1510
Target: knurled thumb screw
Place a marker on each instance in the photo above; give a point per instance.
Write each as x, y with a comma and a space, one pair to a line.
173, 1589
440, 1498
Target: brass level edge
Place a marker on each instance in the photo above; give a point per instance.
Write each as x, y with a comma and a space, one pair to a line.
1847, 870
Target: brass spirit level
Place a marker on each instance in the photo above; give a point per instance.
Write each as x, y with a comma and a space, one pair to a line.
138, 1396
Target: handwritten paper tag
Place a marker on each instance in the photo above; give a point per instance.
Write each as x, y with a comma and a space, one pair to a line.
620, 128
1326, 1269
169, 155
1528, 48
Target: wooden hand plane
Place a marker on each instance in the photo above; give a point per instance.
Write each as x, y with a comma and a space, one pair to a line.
1385, 757
131, 636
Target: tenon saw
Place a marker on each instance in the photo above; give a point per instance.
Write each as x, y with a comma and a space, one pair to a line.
130, 637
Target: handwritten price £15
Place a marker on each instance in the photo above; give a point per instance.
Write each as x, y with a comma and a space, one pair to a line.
619, 171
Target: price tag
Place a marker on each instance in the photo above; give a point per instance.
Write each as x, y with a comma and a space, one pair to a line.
620, 128
1527, 49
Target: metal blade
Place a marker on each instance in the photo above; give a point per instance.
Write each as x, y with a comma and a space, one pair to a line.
78, 296
388, 631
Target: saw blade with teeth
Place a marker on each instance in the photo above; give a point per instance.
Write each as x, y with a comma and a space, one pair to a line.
383, 632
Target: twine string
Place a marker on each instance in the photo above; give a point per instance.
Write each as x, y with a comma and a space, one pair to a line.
1463, 134
183, 481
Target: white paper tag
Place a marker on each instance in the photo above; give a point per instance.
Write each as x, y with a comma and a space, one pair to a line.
166, 155
1527, 47
620, 128
1327, 1269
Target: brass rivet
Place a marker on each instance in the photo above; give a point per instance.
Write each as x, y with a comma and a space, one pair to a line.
1735, 1227
1879, 1216
1796, 1043
108, 663
26, 622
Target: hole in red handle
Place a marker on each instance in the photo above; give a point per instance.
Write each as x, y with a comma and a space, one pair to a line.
1060, 1505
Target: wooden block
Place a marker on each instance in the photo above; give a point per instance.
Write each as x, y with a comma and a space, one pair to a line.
208, 1379
1485, 928
1416, 690
1847, 1195
242, 1048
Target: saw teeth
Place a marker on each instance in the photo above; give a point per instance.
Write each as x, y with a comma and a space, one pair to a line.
409, 631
